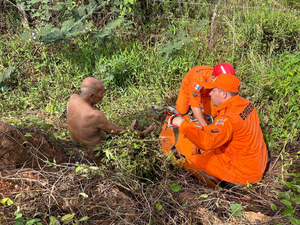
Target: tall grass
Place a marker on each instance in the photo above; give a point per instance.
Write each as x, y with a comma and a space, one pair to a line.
138, 73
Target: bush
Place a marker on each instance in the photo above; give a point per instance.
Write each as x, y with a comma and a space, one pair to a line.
281, 92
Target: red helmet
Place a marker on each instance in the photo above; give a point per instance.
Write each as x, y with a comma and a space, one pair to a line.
223, 68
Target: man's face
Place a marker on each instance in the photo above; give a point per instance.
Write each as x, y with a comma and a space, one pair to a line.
99, 95
217, 96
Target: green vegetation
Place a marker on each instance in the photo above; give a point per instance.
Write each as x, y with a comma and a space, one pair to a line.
141, 50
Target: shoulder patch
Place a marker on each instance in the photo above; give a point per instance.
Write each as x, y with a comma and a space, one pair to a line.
196, 86
195, 94
220, 121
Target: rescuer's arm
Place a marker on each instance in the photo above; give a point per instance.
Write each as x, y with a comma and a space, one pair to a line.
214, 135
199, 115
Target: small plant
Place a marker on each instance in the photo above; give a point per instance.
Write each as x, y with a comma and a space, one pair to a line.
158, 206
180, 38
291, 198
236, 209
175, 187
20, 220
67, 219
131, 155
88, 171
8, 201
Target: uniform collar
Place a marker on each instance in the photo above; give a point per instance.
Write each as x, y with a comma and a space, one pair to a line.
228, 103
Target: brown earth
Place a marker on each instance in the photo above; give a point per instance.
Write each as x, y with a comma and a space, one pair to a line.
108, 197
26, 148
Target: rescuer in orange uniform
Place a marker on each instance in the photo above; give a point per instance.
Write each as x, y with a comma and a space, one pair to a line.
233, 147
194, 96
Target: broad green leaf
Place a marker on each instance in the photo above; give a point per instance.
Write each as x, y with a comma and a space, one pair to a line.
28, 135
96, 148
175, 187
288, 184
67, 218
294, 220
284, 195
31, 222
48, 126
286, 202
20, 221
19, 215
288, 211
204, 196
6, 200
297, 187
9, 202
296, 200
158, 206
53, 221
273, 207
78, 169
236, 209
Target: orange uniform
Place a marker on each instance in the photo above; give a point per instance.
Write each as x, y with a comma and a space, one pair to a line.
193, 94
233, 147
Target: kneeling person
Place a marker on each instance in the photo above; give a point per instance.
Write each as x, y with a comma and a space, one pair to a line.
233, 147
194, 96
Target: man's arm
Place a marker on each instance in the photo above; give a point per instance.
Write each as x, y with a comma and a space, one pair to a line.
215, 136
104, 125
109, 128
199, 115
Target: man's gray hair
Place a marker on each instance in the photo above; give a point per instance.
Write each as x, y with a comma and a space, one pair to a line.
232, 94
89, 90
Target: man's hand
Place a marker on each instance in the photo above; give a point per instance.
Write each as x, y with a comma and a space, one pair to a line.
150, 129
132, 125
175, 121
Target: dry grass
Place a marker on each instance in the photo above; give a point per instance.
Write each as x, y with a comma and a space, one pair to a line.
118, 199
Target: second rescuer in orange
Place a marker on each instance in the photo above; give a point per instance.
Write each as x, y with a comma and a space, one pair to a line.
233, 147
194, 96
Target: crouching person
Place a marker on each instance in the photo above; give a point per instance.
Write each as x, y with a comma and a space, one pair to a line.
233, 148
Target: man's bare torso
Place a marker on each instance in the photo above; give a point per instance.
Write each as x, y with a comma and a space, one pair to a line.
83, 120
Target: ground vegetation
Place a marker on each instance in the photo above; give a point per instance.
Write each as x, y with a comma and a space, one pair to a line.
140, 50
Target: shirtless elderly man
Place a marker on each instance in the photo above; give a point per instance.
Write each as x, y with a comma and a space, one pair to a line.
86, 123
